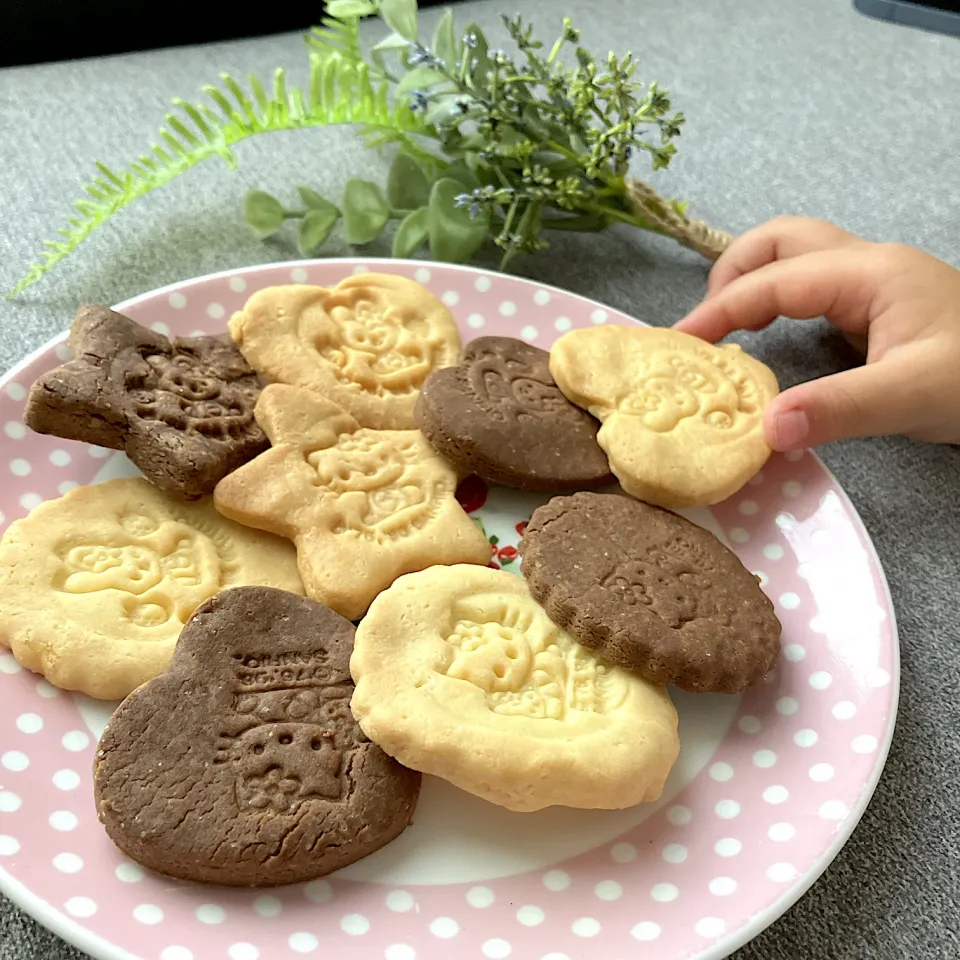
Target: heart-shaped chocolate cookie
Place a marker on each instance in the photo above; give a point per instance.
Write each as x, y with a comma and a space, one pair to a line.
243, 765
499, 414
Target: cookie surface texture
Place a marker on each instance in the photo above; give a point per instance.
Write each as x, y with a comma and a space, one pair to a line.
363, 506
242, 765
182, 410
651, 591
367, 344
682, 419
500, 415
95, 587
460, 673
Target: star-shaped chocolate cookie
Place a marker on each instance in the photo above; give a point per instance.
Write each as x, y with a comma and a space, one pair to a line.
181, 410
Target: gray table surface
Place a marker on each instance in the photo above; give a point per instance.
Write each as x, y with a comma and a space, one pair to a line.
804, 108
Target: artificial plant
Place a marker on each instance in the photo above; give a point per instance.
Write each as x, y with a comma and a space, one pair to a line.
489, 145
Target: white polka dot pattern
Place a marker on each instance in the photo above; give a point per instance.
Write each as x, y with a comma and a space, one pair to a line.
782, 781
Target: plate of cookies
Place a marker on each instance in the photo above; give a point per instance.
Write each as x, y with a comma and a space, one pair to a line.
405, 610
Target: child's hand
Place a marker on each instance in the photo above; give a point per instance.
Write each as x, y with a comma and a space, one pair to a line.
905, 303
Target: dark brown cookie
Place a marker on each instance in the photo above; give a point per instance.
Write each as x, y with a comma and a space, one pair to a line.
181, 410
499, 415
243, 765
651, 591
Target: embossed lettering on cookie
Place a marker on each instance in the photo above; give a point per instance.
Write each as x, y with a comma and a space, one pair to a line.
242, 765
501, 416
181, 410
650, 590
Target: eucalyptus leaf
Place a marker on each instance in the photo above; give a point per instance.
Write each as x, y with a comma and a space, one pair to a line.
401, 17
393, 42
350, 8
444, 41
420, 78
263, 212
365, 211
412, 233
315, 227
454, 235
313, 201
463, 175
407, 185
479, 55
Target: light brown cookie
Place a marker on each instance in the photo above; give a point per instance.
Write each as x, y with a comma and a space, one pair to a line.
682, 419
367, 344
95, 587
363, 506
460, 673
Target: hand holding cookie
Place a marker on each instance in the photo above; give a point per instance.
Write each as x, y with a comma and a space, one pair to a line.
903, 303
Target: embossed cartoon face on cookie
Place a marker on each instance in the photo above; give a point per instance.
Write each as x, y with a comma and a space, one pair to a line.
242, 765
98, 585
500, 415
368, 344
182, 410
461, 674
682, 419
363, 506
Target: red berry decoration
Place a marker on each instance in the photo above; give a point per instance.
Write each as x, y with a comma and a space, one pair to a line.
472, 494
521, 527
507, 554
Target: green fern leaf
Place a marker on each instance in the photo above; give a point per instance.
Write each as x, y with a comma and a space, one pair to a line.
336, 37
339, 91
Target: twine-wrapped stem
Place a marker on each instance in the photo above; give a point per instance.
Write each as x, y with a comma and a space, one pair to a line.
696, 235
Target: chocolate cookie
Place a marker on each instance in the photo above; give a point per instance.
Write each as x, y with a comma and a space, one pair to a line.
650, 590
500, 415
243, 765
181, 410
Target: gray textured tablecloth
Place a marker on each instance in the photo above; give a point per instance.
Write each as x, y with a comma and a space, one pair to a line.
793, 107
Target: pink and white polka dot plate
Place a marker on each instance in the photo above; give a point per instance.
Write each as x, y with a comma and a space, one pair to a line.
767, 789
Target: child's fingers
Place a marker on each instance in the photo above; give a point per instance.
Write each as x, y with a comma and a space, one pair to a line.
878, 399
779, 239
839, 283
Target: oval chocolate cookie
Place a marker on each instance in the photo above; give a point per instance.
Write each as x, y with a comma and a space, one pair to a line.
650, 590
499, 414
243, 765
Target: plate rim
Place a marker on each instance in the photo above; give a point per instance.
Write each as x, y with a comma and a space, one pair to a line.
99, 948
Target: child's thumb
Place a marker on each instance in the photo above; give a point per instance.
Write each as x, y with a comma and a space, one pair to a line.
880, 398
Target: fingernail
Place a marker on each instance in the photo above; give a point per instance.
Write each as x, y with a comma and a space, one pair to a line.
790, 429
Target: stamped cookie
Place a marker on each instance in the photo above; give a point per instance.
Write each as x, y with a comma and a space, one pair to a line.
460, 673
499, 415
367, 344
363, 506
682, 419
182, 410
242, 765
650, 590
95, 587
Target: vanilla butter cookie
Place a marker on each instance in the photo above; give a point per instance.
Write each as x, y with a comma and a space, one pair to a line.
682, 418
95, 587
461, 674
363, 506
367, 343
